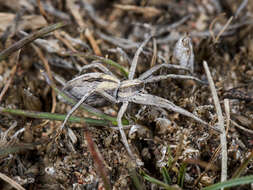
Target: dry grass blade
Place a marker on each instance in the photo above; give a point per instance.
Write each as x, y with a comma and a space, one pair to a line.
211, 26
217, 151
223, 139
227, 111
223, 29
11, 182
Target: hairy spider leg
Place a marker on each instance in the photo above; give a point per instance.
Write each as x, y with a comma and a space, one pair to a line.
74, 109
125, 104
147, 99
99, 90
122, 133
135, 59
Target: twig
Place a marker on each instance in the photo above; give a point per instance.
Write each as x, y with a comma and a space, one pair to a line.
230, 30
69, 45
13, 71
89, 9
161, 30
220, 123
241, 127
243, 166
223, 29
119, 42
217, 5
98, 160
154, 57
11, 182
54, 12
47, 67
93, 43
30, 38
75, 11
43, 12
75, 41
203, 164
241, 7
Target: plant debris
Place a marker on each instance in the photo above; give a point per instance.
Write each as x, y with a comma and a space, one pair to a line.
60, 38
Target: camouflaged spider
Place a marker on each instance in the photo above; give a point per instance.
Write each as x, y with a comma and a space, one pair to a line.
97, 88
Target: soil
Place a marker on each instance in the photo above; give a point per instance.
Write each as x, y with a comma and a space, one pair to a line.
160, 139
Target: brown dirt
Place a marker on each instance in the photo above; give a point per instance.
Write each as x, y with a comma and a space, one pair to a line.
36, 162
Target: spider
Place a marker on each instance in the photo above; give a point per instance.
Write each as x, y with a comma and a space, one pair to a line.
98, 88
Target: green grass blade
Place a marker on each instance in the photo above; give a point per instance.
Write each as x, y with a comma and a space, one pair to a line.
166, 177
231, 183
53, 116
102, 59
170, 159
181, 174
158, 182
136, 182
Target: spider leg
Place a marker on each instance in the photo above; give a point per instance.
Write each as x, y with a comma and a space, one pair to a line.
99, 91
74, 109
103, 93
147, 99
135, 59
173, 76
157, 67
122, 133
99, 66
